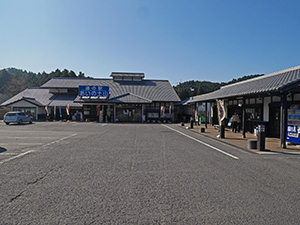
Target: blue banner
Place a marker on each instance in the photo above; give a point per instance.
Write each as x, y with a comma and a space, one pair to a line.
93, 91
60, 114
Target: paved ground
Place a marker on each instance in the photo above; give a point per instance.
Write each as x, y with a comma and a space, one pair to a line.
89, 173
272, 145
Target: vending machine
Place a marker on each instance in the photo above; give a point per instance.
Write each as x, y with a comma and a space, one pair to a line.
293, 128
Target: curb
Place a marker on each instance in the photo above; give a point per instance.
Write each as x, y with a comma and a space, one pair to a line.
267, 152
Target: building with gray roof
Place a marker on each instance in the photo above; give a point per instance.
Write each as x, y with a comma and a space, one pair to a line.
262, 100
131, 98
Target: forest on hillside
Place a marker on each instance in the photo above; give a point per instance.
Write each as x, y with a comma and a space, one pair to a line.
201, 87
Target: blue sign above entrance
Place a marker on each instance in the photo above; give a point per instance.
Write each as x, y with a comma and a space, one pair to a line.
93, 91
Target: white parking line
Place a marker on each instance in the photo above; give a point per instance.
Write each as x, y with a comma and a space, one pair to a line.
5, 144
31, 151
201, 142
8, 153
53, 142
17, 156
22, 137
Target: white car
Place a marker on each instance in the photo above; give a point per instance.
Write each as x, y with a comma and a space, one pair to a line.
16, 117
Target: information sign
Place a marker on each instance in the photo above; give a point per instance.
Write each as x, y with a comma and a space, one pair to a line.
93, 91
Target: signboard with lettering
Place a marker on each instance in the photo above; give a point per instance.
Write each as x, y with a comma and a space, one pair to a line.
293, 128
93, 91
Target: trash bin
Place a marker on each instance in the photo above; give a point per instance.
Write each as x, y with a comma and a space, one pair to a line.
261, 137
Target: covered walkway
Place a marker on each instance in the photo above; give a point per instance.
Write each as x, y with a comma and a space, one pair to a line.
236, 139
272, 100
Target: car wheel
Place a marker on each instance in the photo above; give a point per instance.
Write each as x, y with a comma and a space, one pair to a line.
30, 121
7, 123
20, 121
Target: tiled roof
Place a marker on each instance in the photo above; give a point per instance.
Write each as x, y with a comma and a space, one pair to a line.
273, 82
130, 98
42, 97
64, 99
32, 100
122, 74
154, 90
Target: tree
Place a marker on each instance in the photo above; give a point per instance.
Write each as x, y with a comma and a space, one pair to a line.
81, 75
72, 74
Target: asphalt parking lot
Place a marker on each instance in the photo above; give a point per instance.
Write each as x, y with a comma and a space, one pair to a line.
92, 173
16, 139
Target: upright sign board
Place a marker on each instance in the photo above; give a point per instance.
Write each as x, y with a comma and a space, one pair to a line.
293, 128
93, 91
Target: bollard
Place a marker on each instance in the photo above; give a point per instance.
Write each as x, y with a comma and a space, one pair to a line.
192, 123
261, 137
222, 131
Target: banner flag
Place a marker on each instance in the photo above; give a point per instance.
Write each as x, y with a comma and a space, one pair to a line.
162, 113
68, 109
60, 111
46, 108
221, 111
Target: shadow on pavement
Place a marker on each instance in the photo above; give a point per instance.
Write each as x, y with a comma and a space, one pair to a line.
2, 150
22, 124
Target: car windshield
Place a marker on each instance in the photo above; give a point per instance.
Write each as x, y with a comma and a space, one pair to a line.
10, 114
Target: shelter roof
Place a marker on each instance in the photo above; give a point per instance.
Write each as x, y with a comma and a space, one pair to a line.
269, 83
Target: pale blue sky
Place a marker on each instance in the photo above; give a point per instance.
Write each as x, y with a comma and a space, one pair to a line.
178, 40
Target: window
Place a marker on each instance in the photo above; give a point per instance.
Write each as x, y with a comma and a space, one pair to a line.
29, 111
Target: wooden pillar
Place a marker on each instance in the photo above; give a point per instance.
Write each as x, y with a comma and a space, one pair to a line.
244, 117
283, 121
159, 106
206, 117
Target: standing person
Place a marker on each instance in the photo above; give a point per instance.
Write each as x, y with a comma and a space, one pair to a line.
234, 122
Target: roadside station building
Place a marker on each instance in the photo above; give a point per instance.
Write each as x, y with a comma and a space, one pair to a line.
125, 97
272, 100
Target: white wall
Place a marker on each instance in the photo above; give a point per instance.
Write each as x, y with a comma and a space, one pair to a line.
267, 101
23, 103
41, 110
296, 97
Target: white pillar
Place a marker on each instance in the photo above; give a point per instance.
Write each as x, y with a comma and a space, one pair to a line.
36, 113
143, 111
115, 109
